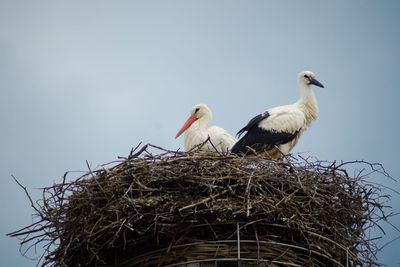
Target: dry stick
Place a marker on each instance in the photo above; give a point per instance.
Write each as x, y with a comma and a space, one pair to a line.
29, 197
216, 150
212, 230
167, 150
258, 242
199, 146
247, 194
22, 232
238, 241
205, 200
133, 150
137, 154
60, 189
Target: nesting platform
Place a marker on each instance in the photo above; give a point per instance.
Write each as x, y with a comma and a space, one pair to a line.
176, 209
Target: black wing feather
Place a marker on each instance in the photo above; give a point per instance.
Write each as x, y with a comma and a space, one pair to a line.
253, 122
260, 139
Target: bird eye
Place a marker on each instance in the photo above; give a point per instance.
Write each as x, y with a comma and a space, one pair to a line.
196, 110
305, 76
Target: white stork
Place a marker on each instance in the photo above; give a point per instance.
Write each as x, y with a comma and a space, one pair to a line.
197, 131
277, 130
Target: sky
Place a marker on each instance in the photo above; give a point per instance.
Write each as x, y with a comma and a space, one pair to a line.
88, 80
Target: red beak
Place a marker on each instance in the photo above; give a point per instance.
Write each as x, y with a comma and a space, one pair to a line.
186, 125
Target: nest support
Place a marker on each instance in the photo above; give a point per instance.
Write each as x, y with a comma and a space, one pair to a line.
240, 242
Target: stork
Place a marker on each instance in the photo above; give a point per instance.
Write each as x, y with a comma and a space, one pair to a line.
197, 131
277, 130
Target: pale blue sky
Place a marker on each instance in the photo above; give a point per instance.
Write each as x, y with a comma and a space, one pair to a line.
88, 80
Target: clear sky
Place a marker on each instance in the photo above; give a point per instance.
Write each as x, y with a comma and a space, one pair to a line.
88, 80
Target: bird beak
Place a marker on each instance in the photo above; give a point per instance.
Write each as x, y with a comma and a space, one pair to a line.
315, 82
186, 125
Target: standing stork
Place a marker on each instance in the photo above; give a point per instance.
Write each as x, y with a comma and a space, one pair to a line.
277, 130
197, 131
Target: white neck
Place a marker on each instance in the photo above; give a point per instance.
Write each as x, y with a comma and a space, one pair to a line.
202, 123
308, 103
197, 132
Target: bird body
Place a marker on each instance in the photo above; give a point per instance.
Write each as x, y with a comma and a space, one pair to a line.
197, 130
277, 130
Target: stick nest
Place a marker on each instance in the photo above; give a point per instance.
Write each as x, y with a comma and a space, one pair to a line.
165, 208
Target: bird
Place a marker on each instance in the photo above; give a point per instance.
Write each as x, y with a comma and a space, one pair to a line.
197, 130
277, 130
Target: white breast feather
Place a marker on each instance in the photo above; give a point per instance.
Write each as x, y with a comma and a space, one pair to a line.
219, 137
194, 135
284, 119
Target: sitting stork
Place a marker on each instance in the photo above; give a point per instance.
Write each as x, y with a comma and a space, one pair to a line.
197, 131
277, 130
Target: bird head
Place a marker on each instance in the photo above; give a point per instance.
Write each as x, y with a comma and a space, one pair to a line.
308, 78
198, 111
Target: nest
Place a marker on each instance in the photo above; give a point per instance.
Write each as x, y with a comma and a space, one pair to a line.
175, 209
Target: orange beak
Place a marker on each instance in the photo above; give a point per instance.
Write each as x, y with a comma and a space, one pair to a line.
186, 125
